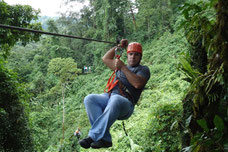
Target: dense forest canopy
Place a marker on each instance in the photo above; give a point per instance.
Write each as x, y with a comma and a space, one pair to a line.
44, 79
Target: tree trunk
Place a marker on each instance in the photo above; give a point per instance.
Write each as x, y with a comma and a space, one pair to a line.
133, 18
63, 114
222, 39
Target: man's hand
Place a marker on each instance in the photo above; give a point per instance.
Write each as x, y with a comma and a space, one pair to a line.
119, 64
109, 57
123, 43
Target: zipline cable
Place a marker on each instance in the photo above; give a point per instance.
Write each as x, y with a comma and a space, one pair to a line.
49, 33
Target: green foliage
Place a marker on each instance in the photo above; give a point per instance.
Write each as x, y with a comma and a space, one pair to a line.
149, 14
199, 23
187, 69
154, 124
207, 90
64, 68
209, 137
15, 130
109, 16
21, 16
41, 120
163, 126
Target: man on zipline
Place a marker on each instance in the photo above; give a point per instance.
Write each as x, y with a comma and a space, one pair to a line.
119, 102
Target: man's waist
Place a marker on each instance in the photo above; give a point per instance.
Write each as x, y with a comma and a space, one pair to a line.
125, 93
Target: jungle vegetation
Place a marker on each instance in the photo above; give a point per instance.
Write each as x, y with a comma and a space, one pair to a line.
43, 81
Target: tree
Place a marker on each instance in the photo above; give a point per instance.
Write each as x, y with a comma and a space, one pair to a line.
17, 15
205, 106
66, 70
154, 17
15, 133
109, 16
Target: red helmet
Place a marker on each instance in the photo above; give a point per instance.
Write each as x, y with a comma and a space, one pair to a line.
134, 47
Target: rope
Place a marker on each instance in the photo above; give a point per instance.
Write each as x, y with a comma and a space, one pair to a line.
124, 128
49, 33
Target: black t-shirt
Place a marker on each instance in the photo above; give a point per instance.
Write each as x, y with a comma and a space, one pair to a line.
138, 70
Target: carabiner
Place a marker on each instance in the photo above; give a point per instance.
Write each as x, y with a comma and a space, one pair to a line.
118, 52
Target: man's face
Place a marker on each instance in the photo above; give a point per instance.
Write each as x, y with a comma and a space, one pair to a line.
133, 58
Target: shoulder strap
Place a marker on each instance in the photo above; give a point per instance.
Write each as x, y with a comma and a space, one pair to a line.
110, 85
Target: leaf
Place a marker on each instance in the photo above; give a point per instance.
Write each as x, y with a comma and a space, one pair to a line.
188, 120
187, 149
203, 124
219, 124
173, 124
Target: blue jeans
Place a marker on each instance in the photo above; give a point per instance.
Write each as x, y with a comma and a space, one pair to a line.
103, 111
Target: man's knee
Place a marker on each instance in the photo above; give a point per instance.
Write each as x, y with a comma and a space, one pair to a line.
116, 101
88, 99
120, 102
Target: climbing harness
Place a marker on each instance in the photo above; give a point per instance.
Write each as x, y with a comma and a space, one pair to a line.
111, 84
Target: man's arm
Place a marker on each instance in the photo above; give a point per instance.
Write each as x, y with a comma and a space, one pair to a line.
135, 80
108, 58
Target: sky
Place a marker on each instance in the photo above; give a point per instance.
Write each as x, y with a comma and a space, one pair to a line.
47, 7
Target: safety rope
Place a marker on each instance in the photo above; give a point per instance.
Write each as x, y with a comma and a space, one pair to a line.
124, 128
49, 33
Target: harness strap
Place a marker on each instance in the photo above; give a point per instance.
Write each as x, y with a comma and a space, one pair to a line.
110, 85
126, 93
